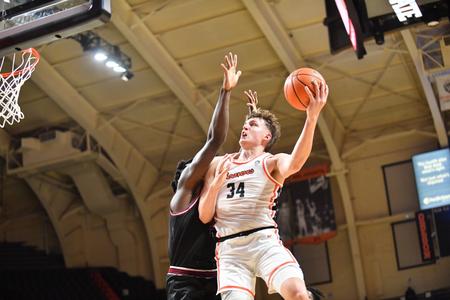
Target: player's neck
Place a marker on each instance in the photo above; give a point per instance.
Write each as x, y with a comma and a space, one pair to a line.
249, 154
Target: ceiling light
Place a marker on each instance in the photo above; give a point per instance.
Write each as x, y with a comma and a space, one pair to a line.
379, 37
102, 51
127, 76
119, 69
433, 23
100, 56
111, 64
432, 16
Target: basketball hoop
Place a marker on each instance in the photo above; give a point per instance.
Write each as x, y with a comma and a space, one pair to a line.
13, 74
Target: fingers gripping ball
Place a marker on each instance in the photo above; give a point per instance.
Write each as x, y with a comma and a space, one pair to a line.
294, 87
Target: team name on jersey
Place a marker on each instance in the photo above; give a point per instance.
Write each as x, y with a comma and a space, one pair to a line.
241, 173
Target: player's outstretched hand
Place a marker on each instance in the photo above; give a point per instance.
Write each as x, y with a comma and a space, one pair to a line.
317, 101
252, 100
230, 72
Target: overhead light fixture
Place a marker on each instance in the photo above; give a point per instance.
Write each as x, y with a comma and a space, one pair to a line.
377, 32
433, 23
432, 16
127, 76
119, 69
379, 37
100, 56
111, 55
111, 64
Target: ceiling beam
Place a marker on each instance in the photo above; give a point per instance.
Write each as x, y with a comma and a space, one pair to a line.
138, 172
154, 53
277, 36
370, 91
388, 137
359, 78
439, 125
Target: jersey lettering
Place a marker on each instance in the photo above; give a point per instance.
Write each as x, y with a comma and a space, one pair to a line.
240, 190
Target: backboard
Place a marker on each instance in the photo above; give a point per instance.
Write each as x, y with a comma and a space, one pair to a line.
29, 23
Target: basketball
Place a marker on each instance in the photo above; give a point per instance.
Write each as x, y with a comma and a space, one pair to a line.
294, 87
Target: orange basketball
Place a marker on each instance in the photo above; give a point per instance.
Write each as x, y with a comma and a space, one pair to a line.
294, 87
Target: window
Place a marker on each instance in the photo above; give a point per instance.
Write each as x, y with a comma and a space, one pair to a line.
407, 245
400, 187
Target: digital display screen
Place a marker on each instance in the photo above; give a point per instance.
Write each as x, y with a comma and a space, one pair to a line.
344, 25
377, 8
432, 172
348, 24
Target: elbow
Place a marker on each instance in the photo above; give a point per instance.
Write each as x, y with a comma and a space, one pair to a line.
204, 219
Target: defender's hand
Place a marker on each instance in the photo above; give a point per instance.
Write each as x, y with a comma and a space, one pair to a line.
230, 73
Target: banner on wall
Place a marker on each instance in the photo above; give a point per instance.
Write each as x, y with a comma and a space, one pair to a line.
424, 221
305, 208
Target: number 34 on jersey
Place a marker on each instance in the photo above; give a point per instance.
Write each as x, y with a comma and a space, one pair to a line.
236, 189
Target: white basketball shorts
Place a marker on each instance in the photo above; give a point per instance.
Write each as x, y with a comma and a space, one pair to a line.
261, 254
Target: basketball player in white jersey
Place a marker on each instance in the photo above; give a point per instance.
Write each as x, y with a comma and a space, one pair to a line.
241, 189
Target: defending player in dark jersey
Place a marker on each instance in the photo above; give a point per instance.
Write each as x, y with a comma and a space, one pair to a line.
192, 272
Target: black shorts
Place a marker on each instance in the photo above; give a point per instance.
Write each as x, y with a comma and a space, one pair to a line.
191, 288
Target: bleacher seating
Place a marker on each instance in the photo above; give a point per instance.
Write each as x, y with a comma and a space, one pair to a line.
27, 273
51, 284
129, 287
439, 294
17, 256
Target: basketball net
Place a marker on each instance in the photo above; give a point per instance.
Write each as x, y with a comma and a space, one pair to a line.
12, 77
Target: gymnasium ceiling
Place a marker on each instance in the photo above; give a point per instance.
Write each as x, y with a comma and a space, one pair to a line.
163, 111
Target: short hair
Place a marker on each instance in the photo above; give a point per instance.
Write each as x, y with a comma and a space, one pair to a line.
182, 164
271, 122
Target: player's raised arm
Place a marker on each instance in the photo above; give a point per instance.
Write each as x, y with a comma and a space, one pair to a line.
218, 127
216, 132
288, 164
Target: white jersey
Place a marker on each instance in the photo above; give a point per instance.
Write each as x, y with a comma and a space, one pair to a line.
246, 199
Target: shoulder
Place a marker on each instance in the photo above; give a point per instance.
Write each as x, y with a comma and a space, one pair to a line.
280, 155
272, 167
273, 161
212, 169
216, 159
275, 158
215, 162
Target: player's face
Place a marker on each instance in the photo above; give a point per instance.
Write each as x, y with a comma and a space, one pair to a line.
254, 133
